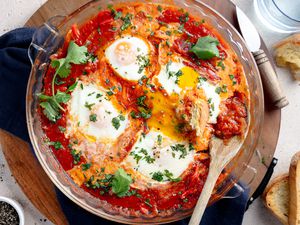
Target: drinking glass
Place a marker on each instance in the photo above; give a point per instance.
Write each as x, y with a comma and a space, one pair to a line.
279, 15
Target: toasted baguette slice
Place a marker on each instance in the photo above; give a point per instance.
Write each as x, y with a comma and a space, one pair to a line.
294, 182
276, 198
287, 54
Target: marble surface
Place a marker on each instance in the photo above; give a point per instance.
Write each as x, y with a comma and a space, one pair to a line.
14, 13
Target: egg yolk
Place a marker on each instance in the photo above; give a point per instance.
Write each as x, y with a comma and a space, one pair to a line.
188, 79
125, 53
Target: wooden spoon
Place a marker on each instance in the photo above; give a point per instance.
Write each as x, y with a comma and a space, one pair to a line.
220, 156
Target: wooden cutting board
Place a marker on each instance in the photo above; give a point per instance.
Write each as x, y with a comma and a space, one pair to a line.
34, 181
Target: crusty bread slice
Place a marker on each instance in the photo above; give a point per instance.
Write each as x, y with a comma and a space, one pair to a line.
294, 182
287, 54
276, 198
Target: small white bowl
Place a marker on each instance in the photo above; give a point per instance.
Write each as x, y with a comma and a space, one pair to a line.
17, 207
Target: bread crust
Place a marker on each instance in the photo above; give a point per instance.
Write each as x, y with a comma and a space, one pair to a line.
271, 185
294, 39
294, 182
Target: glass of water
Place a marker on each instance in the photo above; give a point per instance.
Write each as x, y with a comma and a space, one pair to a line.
279, 15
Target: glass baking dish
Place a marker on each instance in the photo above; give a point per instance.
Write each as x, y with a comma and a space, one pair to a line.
49, 38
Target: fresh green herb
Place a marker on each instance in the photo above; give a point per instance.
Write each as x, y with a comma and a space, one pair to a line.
72, 87
137, 157
76, 55
56, 144
93, 117
179, 148
170, 176
61, 129
81, 86
58, 82
168, 43
143, 62
185, 200
121, 183
116, 122
159, 8
76, 156
206, 48
232, 77
159, 139
169, 33
140, 101
149, 159
86, 166
184, 18
110, 93
98, 95
147, 202
221, 64
89, 105
218, 90
51, 104
222, 89
158, 176
126, 21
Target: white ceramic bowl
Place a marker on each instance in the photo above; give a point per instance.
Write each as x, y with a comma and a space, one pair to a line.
16, 206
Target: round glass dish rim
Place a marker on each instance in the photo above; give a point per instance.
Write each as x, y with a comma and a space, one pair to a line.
69, 193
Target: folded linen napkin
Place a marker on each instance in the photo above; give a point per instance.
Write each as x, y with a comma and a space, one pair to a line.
14, 72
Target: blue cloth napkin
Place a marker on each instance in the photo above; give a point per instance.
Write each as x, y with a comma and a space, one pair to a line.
14, 72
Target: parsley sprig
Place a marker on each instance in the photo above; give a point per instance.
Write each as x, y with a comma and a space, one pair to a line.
52, 104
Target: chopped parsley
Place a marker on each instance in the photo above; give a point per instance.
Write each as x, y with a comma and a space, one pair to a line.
232, 77
158, 176
181, 149
166, 175
86, 166
221, 64
126, 21
159, 139
140, 101
159, 8
143, 62
89, 105
61, 129
93, 117
147, 202
116, 121
76, 156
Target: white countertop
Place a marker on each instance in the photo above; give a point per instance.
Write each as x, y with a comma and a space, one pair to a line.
14, 13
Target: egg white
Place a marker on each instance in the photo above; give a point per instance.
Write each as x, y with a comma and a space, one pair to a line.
126, 56
87, 100
164, 157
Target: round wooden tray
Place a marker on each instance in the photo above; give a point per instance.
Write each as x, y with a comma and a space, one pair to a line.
33, 180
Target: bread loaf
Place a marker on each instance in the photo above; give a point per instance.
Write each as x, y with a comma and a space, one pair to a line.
287, 54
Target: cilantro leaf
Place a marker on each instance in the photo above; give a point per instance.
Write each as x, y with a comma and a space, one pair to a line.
50, 111
51, 106
72, 87
121, 183
206, 48
76, 54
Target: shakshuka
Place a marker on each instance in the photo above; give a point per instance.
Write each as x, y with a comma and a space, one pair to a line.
132, 99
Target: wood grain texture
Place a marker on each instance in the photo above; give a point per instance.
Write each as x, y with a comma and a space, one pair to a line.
31, 177
51, 209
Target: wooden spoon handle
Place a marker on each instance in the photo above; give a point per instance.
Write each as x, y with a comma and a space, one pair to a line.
204, 197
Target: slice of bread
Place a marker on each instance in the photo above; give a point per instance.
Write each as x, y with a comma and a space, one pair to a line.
276, 198
294, 183
287, 54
